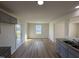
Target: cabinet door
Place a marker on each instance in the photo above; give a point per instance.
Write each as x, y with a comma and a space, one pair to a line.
58, 48
64, 52
73, 54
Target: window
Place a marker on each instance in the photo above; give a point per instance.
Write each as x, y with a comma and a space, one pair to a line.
18, 31
38, 29
18, 34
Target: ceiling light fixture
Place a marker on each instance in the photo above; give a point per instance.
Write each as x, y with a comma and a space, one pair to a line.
77, 7
40, 2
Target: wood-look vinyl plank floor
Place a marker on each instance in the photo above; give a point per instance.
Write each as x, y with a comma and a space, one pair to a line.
36, 48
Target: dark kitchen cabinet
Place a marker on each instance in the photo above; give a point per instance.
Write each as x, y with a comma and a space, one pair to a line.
62, 50
65, 50
5, 18
5, 52
73, 53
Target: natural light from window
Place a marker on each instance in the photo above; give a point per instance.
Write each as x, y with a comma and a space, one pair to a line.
38, 29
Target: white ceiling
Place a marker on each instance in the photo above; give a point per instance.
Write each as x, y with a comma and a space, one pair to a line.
33, 12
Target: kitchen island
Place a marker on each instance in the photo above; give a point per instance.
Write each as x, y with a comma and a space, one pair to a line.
65, 49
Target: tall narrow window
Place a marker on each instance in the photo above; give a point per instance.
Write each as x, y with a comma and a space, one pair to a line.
38, 29
18, 34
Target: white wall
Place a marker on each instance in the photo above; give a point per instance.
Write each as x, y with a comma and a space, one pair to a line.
77, 30
7, 36
51, 31
45, 30
72, 30
60, 29
65, 29
73, 24
74, 27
